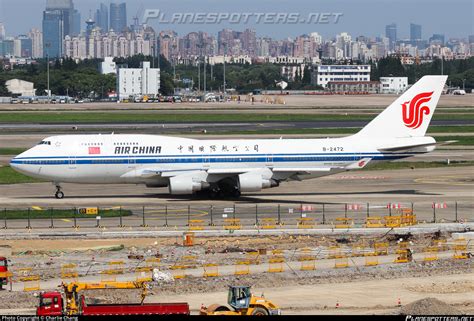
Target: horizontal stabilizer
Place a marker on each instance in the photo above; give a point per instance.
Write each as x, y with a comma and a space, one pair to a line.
302, 169
405, 147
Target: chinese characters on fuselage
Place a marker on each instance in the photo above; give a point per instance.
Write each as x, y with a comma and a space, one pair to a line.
217, 148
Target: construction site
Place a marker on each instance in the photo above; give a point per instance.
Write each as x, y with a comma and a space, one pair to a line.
307, 269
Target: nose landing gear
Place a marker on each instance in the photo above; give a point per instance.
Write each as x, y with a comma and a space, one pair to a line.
59, 194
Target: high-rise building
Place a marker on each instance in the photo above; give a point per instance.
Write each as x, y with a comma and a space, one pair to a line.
118, 16
53, 33
2, 31
391, 34
6, 47
102, 18
26, 46
76, 23
36, 37
437, 39
90, 24
66, 7
415, 32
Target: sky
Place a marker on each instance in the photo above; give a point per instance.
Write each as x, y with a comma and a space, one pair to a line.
454, 18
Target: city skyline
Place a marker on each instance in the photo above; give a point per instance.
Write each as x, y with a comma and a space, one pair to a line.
454, 20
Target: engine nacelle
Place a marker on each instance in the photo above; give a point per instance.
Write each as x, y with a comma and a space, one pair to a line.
186, 183
256, 181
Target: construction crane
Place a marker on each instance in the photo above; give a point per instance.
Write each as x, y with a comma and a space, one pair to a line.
53, 304
71, 291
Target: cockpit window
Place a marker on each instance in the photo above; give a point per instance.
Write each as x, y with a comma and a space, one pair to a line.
44, 142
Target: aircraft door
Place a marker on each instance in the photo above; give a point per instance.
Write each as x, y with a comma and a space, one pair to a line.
205, 161
72, 162
132, 163
269, 160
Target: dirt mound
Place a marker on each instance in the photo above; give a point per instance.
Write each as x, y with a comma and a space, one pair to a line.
429, 306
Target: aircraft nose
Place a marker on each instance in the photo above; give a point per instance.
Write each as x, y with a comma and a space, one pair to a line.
16, 162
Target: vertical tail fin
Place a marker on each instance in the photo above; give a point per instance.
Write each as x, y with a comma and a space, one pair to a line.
410, 114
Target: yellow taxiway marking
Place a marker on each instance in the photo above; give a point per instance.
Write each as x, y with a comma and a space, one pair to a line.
65, 220
37, 208
444, 180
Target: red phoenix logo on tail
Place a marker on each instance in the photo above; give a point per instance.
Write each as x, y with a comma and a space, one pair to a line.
413, 114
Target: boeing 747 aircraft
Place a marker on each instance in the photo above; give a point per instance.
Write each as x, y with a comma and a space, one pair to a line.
232, 167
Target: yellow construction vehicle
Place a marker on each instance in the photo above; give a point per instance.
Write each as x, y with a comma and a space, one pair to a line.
243, 302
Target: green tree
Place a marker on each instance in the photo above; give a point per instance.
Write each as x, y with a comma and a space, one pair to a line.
306, 76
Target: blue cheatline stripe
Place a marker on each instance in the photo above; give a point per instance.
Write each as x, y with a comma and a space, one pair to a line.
217, 155
181, 160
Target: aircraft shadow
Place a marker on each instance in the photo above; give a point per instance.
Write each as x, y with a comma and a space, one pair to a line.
254, 198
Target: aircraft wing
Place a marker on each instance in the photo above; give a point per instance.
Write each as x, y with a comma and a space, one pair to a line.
154, 172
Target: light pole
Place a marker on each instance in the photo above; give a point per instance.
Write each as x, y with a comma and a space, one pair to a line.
464, 84
225, 50
205, 89
199, 74
442, 65
199, 66
48, 45
174, 62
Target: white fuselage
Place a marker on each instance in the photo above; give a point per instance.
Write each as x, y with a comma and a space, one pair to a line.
115, 158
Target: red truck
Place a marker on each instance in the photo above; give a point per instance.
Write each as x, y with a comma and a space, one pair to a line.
52, 304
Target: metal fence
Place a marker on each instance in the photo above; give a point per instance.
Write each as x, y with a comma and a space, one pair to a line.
247, 215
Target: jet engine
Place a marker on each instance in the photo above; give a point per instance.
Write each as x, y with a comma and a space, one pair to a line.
256, 181
187, 183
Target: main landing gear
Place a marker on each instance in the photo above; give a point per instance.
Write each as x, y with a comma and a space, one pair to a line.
59, 194
224, 191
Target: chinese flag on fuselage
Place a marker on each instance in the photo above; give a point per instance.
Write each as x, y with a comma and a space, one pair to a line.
94, 150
